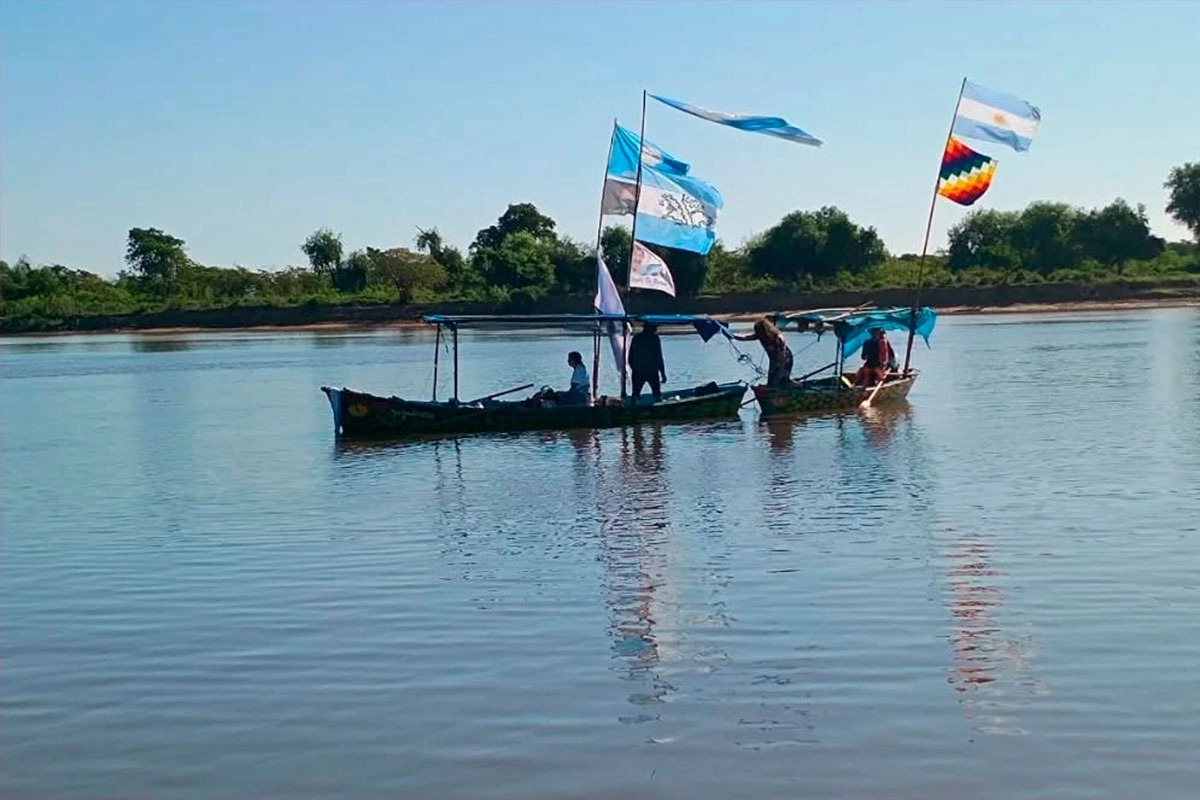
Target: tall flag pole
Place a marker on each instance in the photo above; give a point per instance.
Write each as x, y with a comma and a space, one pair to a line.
604, 303
963, 174
928, 228
604, 186
637, 196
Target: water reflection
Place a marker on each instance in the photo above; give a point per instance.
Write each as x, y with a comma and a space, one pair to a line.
635, 526
880, 423
781, 433
988, 669
166, 448
586, 441
449, 486
159, 344
326, 341
20, 346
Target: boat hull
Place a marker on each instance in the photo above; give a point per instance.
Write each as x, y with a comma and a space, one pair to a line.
361, 415
829, 394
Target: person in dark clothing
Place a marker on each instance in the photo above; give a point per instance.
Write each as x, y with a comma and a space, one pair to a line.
646, 362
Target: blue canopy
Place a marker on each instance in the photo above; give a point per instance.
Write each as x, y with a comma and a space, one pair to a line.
853, 328
707, 327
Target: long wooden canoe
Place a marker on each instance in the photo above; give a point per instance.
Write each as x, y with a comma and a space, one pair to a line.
361, 415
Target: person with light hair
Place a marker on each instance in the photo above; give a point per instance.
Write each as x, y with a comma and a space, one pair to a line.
779, 355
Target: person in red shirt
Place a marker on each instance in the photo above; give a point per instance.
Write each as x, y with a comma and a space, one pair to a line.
878, 357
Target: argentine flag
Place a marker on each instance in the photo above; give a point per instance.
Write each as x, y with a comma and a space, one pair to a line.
996, 117
675, 209
754, 123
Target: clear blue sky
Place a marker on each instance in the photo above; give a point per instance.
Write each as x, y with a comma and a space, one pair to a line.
241, 127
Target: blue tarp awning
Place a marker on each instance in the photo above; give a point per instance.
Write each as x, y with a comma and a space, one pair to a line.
853, 328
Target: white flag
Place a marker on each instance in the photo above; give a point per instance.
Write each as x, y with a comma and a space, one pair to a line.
648, 271
608, 301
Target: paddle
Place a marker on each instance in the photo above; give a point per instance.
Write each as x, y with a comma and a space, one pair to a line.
867, 403
498, 394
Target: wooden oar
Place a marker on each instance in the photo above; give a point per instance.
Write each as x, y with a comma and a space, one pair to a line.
867, 403
498, 394
814, 372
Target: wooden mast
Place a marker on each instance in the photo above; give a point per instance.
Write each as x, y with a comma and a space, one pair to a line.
912, 322
637, 199
599, 258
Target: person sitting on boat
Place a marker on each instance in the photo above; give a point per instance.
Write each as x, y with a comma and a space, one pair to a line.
878, 357
580, 391
646, 362
779, 355
577, 395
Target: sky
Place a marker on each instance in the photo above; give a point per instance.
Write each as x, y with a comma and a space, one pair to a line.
242, 127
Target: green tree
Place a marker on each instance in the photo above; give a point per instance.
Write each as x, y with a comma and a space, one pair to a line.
458, 276
518, 218
1184, 202
353, 273
521, 261
728, 271
984, 238
324, 250
218, 286
1117, 233
1044, 237
156, 257
407, 272
574, 267
816, 244
615, 243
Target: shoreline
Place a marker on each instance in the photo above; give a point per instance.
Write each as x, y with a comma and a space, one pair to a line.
346, 326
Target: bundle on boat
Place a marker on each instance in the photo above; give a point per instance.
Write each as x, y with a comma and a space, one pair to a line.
360, 414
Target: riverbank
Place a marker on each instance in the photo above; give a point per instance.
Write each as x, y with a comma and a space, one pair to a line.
1030, 298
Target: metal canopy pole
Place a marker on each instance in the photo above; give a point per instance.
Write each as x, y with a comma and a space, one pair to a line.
595, 364
437, 346
454, 330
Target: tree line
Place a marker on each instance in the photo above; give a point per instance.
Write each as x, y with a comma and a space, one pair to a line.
522, 258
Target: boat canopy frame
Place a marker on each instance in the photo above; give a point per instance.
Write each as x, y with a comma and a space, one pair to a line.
596, 324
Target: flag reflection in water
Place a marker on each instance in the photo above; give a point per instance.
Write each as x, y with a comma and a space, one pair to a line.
990, 669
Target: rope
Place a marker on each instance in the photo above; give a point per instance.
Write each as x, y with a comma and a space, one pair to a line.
761, 373
743, 358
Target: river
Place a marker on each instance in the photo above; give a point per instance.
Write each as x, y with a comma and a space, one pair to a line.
990, 591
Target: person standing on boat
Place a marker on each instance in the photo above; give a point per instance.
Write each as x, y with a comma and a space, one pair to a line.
779, 355
878, 357
646, 362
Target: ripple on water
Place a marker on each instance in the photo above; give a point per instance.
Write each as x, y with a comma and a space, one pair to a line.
202, 595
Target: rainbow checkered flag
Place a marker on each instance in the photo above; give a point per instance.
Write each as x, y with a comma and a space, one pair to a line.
965, 175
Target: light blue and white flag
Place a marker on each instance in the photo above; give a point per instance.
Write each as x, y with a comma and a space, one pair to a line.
754, 123
623, 162
675, 209
996, 117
